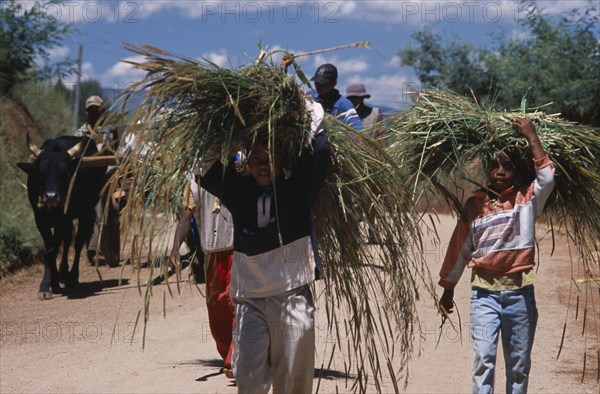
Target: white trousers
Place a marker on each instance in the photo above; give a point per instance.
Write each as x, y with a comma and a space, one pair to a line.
275, 343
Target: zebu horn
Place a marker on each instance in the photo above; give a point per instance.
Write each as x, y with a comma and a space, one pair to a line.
33, 147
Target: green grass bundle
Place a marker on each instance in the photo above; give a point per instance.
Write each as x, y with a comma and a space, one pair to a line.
370, 292
443, 132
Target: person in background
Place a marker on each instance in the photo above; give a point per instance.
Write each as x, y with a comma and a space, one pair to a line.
328, 96
273, 261
107, 233
370, 117
187, 231
210, 240
103, 136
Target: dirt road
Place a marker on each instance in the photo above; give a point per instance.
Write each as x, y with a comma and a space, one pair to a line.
85, 343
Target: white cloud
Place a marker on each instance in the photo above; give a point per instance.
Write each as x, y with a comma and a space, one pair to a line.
122, 74
381, 11
352, 65
117, 77
225, 10
346, 8
394, 62
418, 13
87, 71
55, 54
58, 53
220, 58
189, 9
520, 35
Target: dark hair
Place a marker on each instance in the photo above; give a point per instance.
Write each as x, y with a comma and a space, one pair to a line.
278, 149
521, 160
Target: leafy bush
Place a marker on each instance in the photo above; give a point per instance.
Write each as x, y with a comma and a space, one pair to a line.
557, 64
19, 244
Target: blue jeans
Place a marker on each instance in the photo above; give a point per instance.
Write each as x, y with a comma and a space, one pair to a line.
514, 314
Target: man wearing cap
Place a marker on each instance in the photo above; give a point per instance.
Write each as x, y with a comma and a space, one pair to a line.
329, 97
369, 116
94, 109
111, 238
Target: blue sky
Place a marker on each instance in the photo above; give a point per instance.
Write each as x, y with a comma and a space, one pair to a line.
228, 32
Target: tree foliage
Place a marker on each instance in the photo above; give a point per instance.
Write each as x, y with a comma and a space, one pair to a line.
27, 36
452, 65
554, 60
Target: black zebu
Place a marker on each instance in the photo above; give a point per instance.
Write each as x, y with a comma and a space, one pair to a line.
49, 178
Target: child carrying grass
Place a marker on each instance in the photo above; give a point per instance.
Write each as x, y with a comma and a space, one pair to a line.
495, 236
273, 262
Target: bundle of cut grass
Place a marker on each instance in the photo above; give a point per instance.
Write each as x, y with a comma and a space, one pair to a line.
443, 132
370, 292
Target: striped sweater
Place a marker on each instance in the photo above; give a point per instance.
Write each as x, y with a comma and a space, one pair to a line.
498, 236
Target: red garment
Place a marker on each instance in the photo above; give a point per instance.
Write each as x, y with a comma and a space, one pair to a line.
221, 312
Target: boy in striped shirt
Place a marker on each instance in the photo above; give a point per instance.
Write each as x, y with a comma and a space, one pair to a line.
495, 236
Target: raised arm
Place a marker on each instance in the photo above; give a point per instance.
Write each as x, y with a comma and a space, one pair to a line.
527, 129
544, 179
216, 178
287, 60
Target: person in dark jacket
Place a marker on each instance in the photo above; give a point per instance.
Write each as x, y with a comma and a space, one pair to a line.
274, 261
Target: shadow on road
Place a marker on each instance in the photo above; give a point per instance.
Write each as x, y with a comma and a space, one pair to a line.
89, 289
331, 374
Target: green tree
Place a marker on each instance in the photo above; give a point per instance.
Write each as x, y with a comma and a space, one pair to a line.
25, 36
452, 65
558, 62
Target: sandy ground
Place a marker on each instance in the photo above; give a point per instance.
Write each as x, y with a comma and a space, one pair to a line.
85, 342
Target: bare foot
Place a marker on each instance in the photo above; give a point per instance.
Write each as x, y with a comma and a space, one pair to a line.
228, 372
